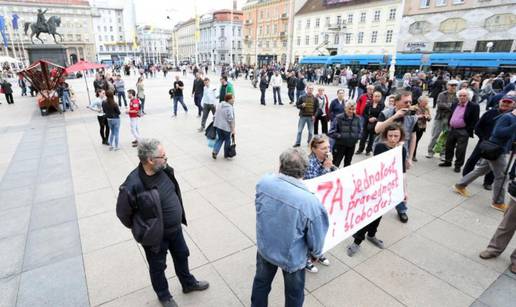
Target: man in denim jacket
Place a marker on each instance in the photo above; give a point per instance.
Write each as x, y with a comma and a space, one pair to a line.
291, 224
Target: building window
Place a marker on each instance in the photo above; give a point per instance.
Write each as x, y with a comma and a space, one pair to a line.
260, 30
424, 4
348, 38
284, 43
112, 38
299, 40
339, 20
223, 35
121, 38
307, 40
498, 46
327, 21
388, 36
98, 28
458, 2
119, 29
392, 14
110, 28
377, 15
101, 48
317, 22
448, 46
299, 24
308, 23
266, 44
316, 40
105, 28
374, 36
326, 38
336, 39
440, 2
268, 29
100, 38
274, 44
350, 18
362, 16
360, 38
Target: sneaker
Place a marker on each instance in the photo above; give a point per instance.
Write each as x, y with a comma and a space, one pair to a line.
352, 249
368, 153
296, 145
110, 147
460, 190
324, 261
445, 164
359, 152
487, 255
500, 207
169, 303
429, 156
488, 187
414, 159
116, 148
310, 267
403, 217
456, 169
214, 156
134, 142
377, 242
200, 129
442, 158
200, 285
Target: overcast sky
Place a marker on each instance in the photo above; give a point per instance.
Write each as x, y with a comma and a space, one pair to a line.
154, 12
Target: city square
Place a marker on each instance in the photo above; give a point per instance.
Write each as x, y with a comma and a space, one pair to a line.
65, 246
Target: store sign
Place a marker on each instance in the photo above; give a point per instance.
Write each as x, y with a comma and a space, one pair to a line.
416, 46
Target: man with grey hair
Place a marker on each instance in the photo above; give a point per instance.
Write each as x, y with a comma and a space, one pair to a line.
464, 117
150, 204
291, 224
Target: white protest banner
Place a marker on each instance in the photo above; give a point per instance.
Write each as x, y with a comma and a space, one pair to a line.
360, 193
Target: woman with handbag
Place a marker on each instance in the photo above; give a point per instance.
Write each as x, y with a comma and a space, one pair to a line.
371, 113
494, 153
225, 126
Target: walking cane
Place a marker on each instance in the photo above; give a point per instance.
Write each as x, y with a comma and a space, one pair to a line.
506, 172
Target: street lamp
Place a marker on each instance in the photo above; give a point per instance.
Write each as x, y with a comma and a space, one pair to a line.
489, 45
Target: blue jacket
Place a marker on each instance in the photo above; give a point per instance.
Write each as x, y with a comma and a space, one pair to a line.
504, 132
291, 222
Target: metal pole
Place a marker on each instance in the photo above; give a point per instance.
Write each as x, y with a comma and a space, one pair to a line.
231, 40
290, 32
399, 16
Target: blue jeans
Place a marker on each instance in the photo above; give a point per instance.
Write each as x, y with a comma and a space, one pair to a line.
181, 100
265, 272
114, 126
222, 137
66, 101
309, 122
121, 95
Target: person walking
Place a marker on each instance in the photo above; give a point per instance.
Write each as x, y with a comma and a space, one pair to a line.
64, 93
307, 105
337, 105
96, 105
178, 95
504, 135
225, 88
320, 162
120, 90
197, 92
352, 86
276, 82
424, 116
346, 131
208, 102
291, 86
392, 136
134, 114
321, 115
371, 112
442, 116
264, 84
140, 93
22, 84
505, 232
462, 123
291, 226
150, 204
301, 86
112, 112
7, 90
224, 124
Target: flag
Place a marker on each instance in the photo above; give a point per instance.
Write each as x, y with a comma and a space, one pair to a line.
15, 18
135, 44
2, 30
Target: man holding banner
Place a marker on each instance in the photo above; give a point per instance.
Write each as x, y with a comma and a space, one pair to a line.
291, 224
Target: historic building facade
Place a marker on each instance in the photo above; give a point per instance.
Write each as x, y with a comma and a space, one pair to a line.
76, 26
458, 26
220, 39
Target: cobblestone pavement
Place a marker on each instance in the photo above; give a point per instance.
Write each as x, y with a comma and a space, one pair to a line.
62, 245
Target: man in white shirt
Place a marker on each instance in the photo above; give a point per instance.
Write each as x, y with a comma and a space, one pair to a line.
209, 99
276, 86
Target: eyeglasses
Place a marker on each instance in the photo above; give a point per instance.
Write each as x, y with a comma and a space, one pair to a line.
164, 157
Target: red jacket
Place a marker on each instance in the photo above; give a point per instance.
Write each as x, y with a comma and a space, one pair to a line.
134, 107
362, 102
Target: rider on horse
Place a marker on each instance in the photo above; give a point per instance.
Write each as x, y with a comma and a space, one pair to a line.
42, 21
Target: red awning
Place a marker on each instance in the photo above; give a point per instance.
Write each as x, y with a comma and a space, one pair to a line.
83, 65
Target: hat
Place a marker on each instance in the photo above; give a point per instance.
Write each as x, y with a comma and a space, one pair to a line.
508, 98
453, 82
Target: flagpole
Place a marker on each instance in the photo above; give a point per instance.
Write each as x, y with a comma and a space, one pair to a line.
8, 25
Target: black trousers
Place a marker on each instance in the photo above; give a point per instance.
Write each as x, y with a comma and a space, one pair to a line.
419, 135
9, 98
457, 141
291, 92
262, 97
472, 161
370, 229
368, 137
324, 124
175, 243
197, 101
341, 151
104, 128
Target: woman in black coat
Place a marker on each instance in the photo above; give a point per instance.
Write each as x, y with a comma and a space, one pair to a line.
437, 87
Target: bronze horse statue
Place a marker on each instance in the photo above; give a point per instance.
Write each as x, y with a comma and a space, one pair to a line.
50, 28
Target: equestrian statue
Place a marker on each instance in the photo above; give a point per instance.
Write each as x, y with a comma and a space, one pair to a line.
44, 26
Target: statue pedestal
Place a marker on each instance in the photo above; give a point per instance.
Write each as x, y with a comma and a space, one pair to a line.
49, 52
